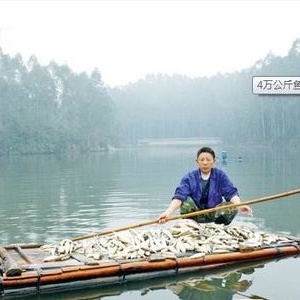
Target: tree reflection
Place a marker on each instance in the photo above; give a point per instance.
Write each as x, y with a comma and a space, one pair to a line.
223, 286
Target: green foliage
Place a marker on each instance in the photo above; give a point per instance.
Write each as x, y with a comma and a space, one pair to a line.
49, 109
220, 106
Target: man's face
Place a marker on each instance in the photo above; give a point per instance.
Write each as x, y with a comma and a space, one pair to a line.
205, 162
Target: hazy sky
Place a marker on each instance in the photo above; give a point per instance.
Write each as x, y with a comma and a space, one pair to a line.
126, 40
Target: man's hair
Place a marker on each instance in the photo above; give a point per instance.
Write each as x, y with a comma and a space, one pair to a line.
207, 150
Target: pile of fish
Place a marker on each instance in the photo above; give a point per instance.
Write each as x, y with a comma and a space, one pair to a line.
184, 238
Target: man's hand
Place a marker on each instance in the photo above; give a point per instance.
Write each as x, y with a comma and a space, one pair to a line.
163, 217
245, 209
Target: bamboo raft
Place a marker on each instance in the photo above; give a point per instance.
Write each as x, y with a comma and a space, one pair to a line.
23, 270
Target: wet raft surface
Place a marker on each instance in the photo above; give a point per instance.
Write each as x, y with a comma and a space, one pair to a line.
183, 246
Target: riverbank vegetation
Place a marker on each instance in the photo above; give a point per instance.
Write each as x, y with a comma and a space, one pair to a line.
51, 109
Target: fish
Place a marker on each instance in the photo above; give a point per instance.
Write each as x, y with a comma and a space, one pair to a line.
183, 237
197, 255
59, 257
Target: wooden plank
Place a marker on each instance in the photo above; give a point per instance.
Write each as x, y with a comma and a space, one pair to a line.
10, 266
22, 254
84, 260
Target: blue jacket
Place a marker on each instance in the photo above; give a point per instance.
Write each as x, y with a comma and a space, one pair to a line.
220, 187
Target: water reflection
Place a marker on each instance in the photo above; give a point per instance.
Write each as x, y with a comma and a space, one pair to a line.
223, 283
48, 198
223, 287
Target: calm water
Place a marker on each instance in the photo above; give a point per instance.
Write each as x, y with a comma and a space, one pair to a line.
48, 198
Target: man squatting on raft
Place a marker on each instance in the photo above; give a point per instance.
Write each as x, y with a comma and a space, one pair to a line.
203, 188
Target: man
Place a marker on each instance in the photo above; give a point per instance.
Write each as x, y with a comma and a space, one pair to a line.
203, 188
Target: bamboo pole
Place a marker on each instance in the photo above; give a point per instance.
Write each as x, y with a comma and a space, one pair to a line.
189, 215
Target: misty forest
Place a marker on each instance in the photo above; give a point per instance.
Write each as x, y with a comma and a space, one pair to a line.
51, 109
